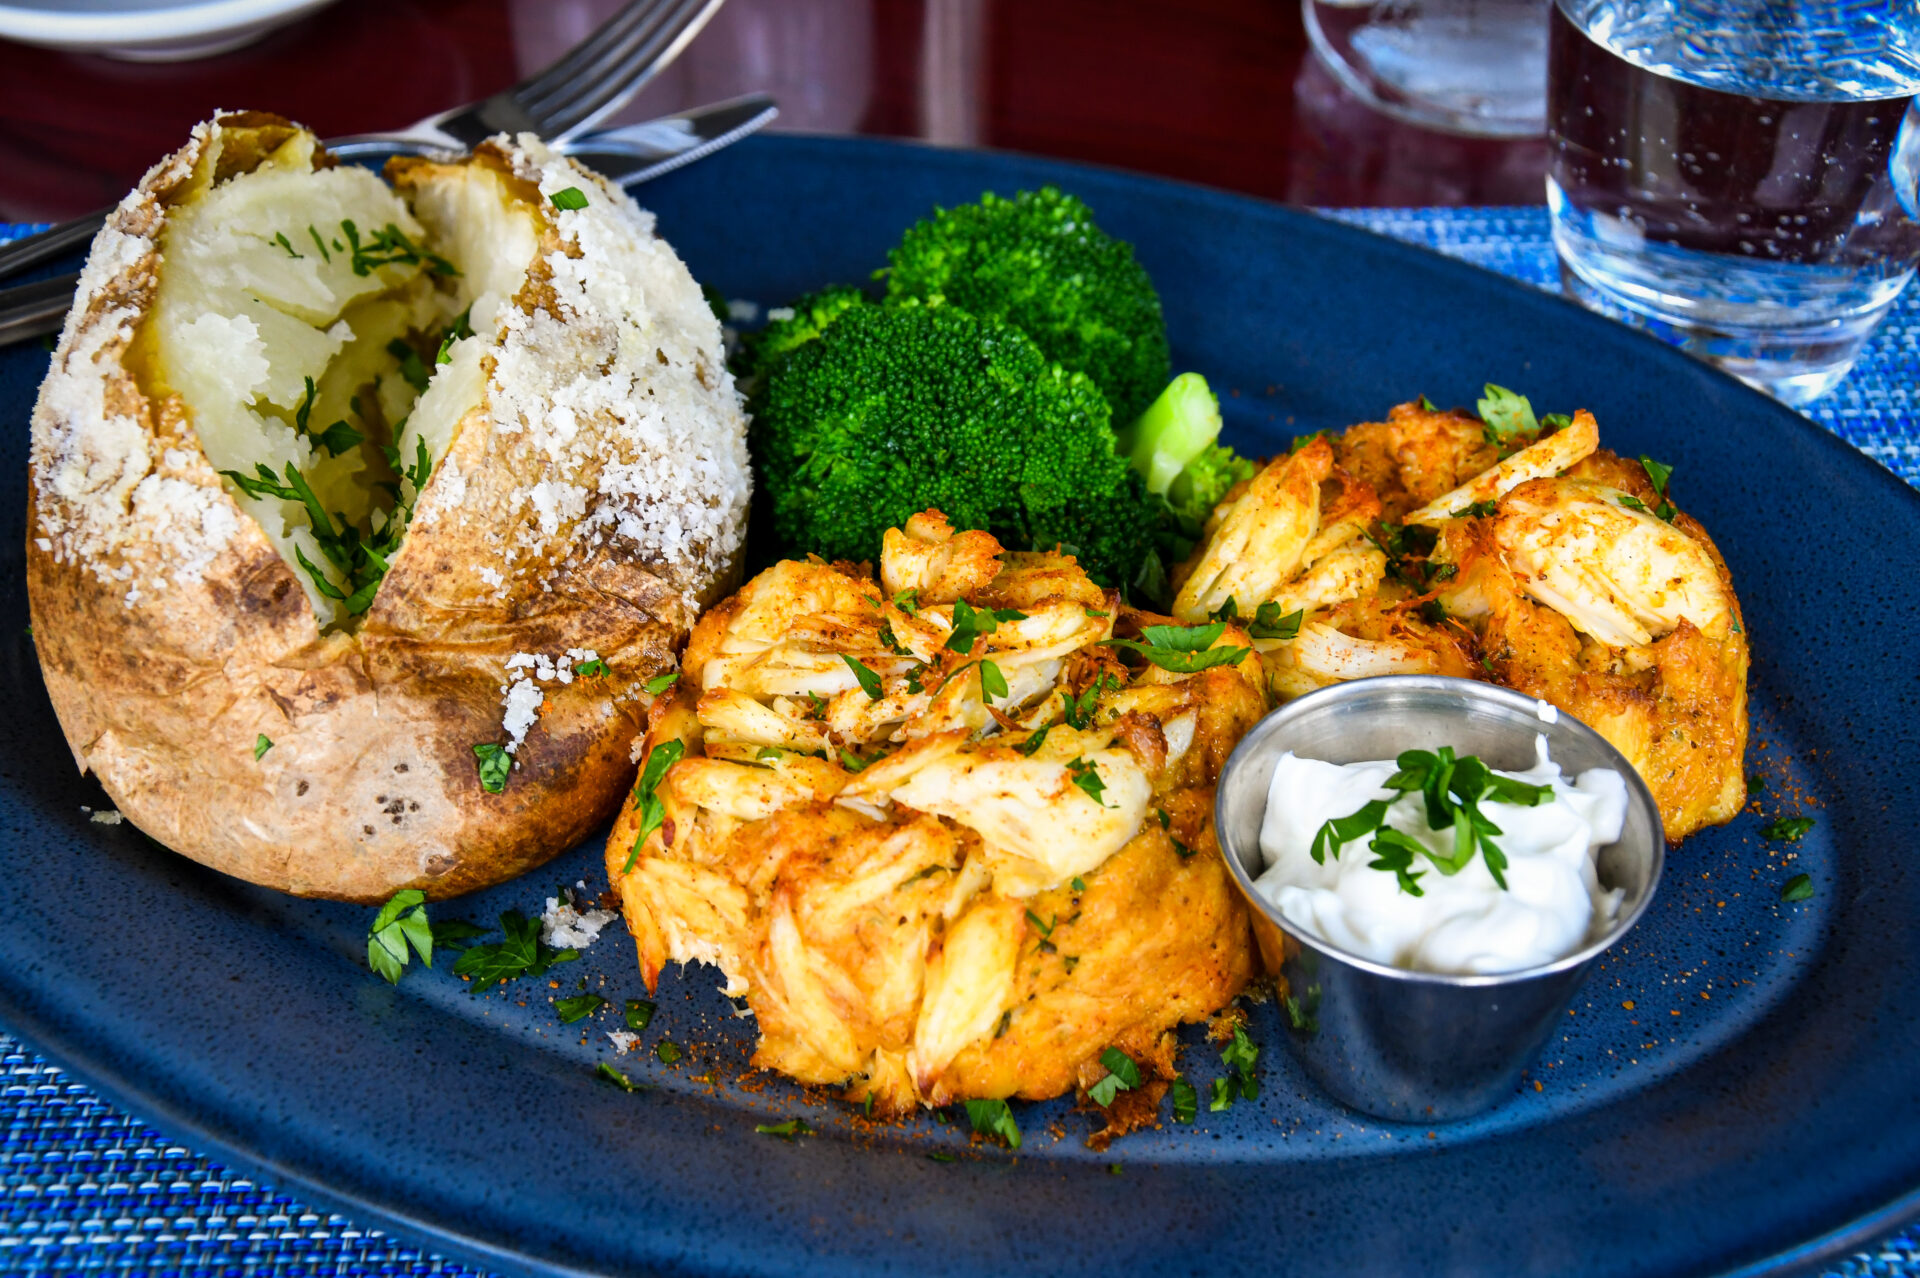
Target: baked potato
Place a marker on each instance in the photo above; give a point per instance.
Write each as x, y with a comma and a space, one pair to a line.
361, 510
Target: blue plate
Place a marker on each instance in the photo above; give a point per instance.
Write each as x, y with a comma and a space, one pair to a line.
1737, 1091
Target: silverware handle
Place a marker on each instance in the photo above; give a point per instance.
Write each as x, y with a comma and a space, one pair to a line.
36, 309
31, 250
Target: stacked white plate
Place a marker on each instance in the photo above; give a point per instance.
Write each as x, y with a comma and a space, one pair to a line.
147, 30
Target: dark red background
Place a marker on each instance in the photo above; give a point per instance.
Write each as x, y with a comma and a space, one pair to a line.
1215, 91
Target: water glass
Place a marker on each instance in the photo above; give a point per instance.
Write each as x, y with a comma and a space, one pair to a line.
1464, 66
1738, 176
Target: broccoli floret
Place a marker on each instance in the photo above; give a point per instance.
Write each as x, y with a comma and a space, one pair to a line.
896, 409
808, 318
1039, 262
1171, 447
1199, 488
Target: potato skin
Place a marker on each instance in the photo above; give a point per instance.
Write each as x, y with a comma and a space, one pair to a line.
172, 635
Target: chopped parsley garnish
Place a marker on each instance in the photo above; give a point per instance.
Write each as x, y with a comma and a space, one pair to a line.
1478, 510
1756, 785
1122, 1076
1505, 414
1343, 830
261, 744
907, 601
453, 934
939, 1157
1239, 1056
1087, 777
340, 438
1298, 1015
1658, 473
1222, 1095
1787, 829
1079, 710
891, 642
1267, 623
1555, 421
970, 624
1095, 612
1428, 406
1798, 888
401, 922
361, 560
668, 1052
1633, 503
390, 246
520, 953
1043, 927
337, 438
1395, 851
1032, 744
653, 810
638, 1014
854, 763
320, 244
1186, 1100
992, 682
788, 1131
660, 683
1183, 649
869, 681
614, 1076
994, 1118
818, 703
570, 198
578, 1008
1452, 790
495, 765
593, 668
1227, 611
1077, 883
412, 368
280, 238
461, 327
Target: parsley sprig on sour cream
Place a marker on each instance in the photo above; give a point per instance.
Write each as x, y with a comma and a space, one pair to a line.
1516, 883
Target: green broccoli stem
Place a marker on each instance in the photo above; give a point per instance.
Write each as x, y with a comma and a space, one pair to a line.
1175, 430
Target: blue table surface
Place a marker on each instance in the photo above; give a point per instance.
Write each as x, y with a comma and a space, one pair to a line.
87, 1188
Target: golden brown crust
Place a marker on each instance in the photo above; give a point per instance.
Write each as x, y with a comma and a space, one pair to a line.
890, 949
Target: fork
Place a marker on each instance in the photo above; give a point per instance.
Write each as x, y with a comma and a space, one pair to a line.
590, 82
628, 155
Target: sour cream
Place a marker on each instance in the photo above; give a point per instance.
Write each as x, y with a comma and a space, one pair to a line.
1464, 923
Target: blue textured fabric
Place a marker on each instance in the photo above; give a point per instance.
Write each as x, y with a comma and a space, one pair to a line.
85, 1188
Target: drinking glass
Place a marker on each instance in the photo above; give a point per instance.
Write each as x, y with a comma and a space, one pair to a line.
1465, 66
1738, 176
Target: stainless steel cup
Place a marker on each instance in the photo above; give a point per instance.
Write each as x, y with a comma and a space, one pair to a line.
1416, 1046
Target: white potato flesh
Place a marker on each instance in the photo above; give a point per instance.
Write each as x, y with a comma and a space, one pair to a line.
259, 298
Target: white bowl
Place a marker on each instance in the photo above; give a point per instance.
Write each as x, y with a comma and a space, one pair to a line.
147, 30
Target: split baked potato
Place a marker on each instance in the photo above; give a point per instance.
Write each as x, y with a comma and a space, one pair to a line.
362, 510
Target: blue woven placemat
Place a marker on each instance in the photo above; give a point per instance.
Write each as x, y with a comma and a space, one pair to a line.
85, 1188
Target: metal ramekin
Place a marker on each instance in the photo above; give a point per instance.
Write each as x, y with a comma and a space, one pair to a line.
1416, 1046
